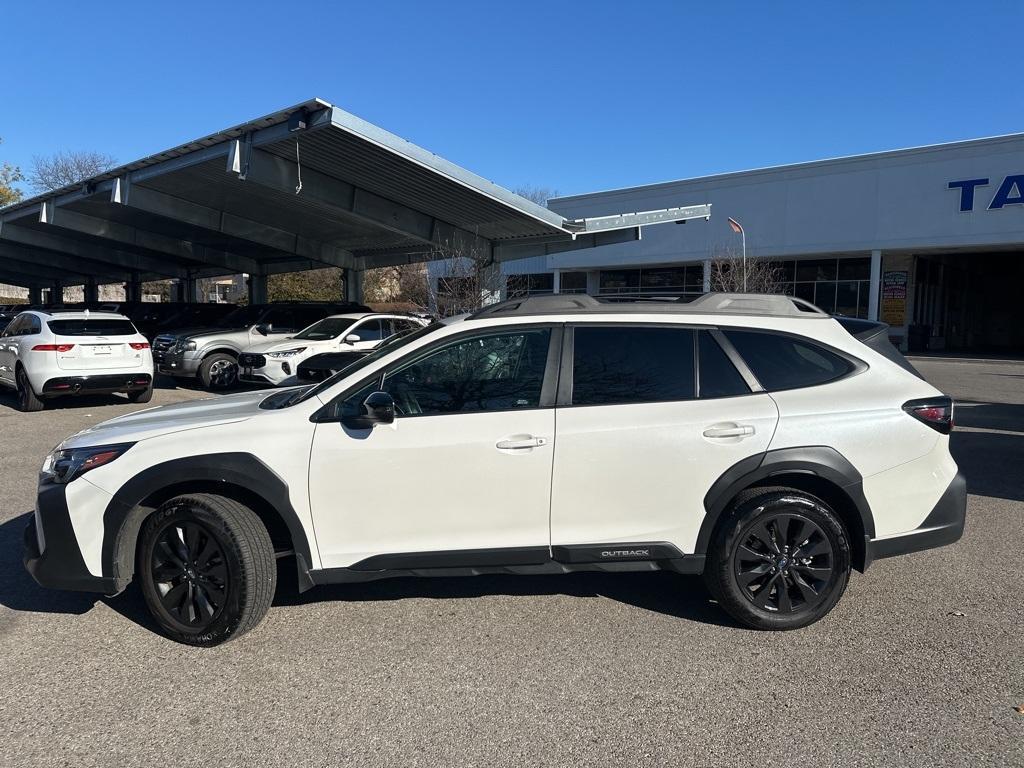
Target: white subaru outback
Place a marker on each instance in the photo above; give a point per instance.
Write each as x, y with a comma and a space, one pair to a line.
51, 354
751, 439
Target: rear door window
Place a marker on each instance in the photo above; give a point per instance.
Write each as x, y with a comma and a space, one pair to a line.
92, 327
786, 362
718, 376
632, 364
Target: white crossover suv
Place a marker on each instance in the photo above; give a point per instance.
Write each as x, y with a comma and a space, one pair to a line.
751, 439
51, 354
276, 362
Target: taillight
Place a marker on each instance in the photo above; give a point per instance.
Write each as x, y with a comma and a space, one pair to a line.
936, 412
138, 345
53, 347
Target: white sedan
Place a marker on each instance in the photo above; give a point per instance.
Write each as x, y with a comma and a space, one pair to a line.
276, 362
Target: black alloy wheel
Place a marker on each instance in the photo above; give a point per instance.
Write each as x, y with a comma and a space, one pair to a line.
207, 568
190, 574
784, 563
780, 559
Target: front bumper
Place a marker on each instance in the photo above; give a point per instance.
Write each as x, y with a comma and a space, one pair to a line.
97, 384
258, 369
944, 525
177, 364
58, 564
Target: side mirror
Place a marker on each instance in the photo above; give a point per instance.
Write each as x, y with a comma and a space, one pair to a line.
380, 409
263, 328
352, 338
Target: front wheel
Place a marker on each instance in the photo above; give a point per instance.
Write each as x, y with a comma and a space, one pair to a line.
780, 561
207, 568
219, 371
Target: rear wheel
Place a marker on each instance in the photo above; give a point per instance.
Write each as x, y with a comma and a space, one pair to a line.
219, 371
141, 395
27, 398
207, 568
781, 560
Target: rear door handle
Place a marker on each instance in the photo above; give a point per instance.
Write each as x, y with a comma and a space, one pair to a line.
519, 442
729, 430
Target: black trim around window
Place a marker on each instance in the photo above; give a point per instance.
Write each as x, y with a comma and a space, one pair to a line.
549, 385
857, 365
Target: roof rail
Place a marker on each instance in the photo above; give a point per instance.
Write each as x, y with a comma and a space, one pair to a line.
546, 304
776, 305
754, 303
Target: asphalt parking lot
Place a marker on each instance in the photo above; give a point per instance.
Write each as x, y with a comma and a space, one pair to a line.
921, 664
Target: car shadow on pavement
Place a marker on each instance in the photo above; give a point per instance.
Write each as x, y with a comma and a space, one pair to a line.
19, 591
991, 462
1008, 417
675, 595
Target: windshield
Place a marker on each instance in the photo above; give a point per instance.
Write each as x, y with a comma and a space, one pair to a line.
389, 346
242, 317
328, 328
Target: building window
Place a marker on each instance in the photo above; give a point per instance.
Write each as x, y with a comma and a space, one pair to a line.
530, 285
654, 281
838, 286
573, 282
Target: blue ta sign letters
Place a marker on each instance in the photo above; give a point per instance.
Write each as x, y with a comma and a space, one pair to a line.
1010, 192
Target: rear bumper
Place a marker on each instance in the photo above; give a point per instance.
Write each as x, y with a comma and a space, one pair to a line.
59, 564
105, 383
944, 525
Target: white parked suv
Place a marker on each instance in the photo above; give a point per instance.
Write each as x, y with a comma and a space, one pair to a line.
752, 439
276, 362
51, 354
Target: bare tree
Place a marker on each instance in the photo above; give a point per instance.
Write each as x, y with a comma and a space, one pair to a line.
63, 169
538, 195
471, 279
9, 176
727, 274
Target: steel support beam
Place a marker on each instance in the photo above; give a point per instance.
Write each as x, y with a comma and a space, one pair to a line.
133, 237
83, 250
194, 214
348, 200
35, 294
91, 291
83, 267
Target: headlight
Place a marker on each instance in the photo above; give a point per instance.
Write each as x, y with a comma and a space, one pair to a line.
286, 352
63, 466
188, 346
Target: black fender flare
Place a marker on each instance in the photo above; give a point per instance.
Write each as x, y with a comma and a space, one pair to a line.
123, 516
817, 460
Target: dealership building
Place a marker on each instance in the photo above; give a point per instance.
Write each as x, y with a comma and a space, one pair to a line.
929, 240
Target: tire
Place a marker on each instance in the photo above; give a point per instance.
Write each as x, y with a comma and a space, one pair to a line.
207, 568
749, 555
218, 371
141, 395
28, 401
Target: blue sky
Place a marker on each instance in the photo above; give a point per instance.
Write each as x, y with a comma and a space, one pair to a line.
573, 96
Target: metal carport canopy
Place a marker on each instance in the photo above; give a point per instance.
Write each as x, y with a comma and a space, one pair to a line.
305, 187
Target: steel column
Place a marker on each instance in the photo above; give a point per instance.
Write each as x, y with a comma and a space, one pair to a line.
876, 284
257, 289
354, 285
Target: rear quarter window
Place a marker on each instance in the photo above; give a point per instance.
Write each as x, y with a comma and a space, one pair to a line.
92, 327
786, 362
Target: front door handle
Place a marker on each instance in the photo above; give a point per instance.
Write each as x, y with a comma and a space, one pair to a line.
519, 442
729, 430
